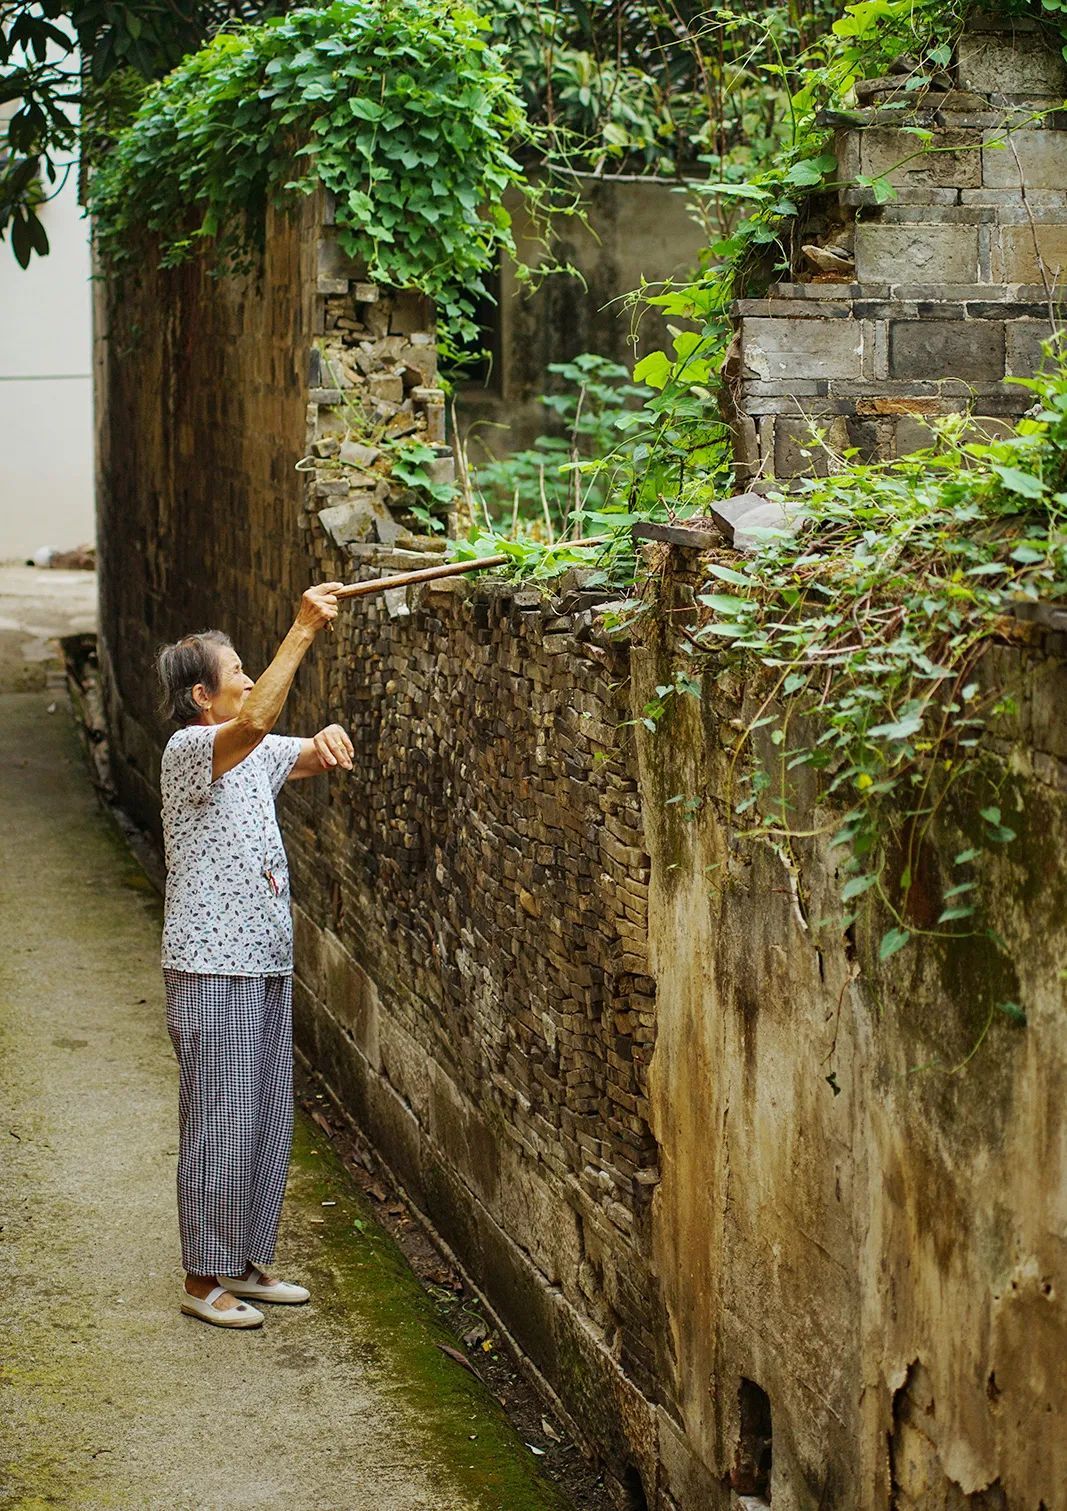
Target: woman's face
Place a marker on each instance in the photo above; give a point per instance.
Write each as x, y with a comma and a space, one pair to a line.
234, 686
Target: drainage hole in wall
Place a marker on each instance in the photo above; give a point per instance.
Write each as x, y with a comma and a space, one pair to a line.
751, 1474
634, 1498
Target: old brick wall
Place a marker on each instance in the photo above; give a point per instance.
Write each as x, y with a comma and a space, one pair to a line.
471, 904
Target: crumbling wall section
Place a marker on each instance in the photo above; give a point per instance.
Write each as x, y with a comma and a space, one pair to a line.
940, 295
859, 1234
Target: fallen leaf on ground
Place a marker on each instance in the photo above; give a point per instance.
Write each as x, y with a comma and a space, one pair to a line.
454, 1353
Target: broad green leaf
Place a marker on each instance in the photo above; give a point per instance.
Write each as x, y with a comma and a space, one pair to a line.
898, 729
722, 603
728, 574
1023, 483
1013, 1011
655, 369
893, 941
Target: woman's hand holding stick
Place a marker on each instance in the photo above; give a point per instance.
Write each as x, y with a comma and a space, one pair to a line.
265, 701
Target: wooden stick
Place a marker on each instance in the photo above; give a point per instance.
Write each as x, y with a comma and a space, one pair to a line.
447, 569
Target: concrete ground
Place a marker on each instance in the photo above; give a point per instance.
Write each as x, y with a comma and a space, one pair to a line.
36, 606
108, 1396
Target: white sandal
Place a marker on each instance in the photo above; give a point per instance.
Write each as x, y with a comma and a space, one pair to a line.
204, 1307
282, 1292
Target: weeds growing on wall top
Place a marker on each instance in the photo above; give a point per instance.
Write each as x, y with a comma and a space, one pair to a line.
400, 108
864, 632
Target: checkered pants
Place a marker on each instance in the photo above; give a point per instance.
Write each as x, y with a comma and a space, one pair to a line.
234, 1040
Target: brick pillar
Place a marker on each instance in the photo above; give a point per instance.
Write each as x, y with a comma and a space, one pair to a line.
952, 285
373, 381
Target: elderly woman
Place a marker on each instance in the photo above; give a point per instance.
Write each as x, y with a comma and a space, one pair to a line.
228, 955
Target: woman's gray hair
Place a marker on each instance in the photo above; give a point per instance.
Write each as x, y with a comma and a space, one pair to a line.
192, 659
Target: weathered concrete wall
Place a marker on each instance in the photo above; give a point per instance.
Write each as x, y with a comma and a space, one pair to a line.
591, 1039
872, 1237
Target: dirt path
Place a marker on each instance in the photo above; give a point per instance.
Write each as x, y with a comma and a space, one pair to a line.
108, 1396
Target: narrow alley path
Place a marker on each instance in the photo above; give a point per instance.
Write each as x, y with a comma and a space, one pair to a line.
108, 1396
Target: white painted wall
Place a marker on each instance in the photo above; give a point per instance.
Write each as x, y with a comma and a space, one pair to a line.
46, 433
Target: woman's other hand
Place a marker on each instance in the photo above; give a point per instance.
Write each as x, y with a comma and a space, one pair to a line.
318, 607
333, 748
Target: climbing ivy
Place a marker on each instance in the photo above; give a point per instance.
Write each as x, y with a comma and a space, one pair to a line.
400, 108
865, 630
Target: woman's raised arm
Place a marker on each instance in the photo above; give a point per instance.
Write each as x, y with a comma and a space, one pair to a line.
240, 736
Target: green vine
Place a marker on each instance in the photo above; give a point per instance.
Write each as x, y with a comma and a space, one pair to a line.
867, 628
400, 108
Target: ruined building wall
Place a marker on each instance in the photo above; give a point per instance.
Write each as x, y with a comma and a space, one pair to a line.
950, 286
863, 1210
717, 1182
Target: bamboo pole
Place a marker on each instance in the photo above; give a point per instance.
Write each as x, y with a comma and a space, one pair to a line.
447, 569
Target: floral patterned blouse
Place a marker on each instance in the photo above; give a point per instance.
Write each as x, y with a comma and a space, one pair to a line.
227, 901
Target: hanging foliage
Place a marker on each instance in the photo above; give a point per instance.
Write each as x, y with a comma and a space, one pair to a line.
401, 109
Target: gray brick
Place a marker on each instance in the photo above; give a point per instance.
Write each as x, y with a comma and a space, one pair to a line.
848, 390
795, 309
1026, 212
798, 451
1010, 63
938, 215
884, 309
797, 388
915, 434
976, 309
945, 254
803, 349
969, 350
1020, 251
1024, 354
906, 161
935, 292
784, 402
860, 197
911, 434
1045, 202
1042, 160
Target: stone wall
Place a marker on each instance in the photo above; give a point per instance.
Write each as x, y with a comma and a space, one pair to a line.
946, 292
471, 904
714, 1170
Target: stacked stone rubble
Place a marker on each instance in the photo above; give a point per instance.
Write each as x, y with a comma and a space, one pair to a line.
957, 279
372, 385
